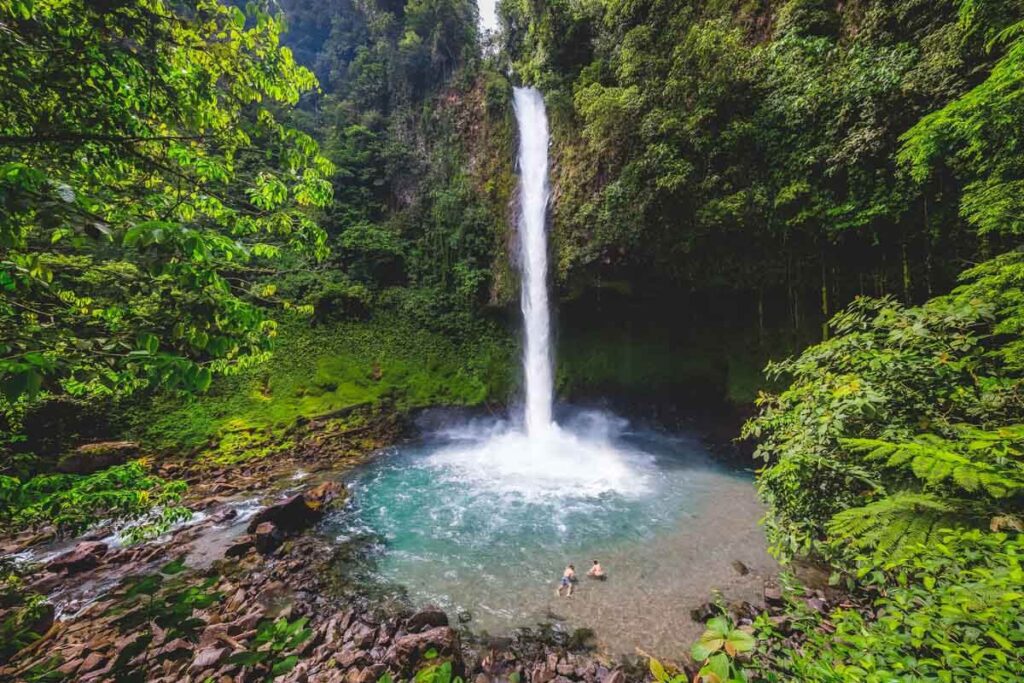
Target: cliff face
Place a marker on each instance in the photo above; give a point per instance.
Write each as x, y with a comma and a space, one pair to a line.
748, 149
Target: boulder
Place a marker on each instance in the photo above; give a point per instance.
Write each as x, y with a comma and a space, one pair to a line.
267, 537
85, 556
93, 457
300, 511
427, 618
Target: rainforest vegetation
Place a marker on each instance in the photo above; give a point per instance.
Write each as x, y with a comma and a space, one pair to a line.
218, 220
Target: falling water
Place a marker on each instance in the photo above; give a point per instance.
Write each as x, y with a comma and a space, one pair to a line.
533, 257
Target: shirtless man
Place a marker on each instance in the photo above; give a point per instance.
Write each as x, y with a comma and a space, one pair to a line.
596, 571
568, 582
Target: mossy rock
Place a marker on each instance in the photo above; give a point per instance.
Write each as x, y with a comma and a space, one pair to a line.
93, 457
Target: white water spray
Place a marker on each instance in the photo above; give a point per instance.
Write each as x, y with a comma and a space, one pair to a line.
533, 257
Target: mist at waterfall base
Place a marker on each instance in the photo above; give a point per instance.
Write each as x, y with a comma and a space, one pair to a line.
481, 516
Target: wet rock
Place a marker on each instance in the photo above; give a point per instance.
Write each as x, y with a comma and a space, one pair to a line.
361, 635
93, 662
267, 537
704, 612
350, 657
541, 674
464, 617
208, 658
240, 548
224, 515
740, 568
300, 511
743, 612
94, 457
213, 634
818, 605
783, 623
408, 650
85, 556
427, 618
175, 649
773, 595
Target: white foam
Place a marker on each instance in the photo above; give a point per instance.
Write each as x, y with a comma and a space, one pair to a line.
554, 463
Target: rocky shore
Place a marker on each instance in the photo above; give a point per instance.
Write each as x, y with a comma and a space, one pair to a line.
145, 613
249, 590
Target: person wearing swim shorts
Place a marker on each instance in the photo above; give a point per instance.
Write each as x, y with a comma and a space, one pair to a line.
568, 582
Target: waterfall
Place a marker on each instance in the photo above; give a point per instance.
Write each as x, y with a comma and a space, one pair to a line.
533, 257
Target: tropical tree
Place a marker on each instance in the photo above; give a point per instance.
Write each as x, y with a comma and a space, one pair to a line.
148, 186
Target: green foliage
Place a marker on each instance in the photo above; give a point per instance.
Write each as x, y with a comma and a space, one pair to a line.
423, 161
147, 504
951, 613
166, 600
147, 184
907, 421
438, 672
321, 370
716, 652
18, 622
809, 149
273, 639
976, 134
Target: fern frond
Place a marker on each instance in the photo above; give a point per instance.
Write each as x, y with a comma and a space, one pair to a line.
893, 526
934, 460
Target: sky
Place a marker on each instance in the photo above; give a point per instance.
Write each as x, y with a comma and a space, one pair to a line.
488, 14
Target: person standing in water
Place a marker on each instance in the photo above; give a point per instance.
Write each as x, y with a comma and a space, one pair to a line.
597, 572
567, 582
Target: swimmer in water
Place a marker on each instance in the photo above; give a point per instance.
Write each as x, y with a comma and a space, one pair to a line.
597, 572
567, 583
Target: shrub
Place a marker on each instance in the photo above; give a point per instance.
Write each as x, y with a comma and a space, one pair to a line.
950, 613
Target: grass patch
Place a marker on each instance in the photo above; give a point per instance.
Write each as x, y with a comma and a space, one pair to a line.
317, 371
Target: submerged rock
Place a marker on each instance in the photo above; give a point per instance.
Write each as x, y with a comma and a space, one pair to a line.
428, 617
93, 457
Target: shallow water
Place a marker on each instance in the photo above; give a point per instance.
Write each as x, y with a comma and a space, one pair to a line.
483, 520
